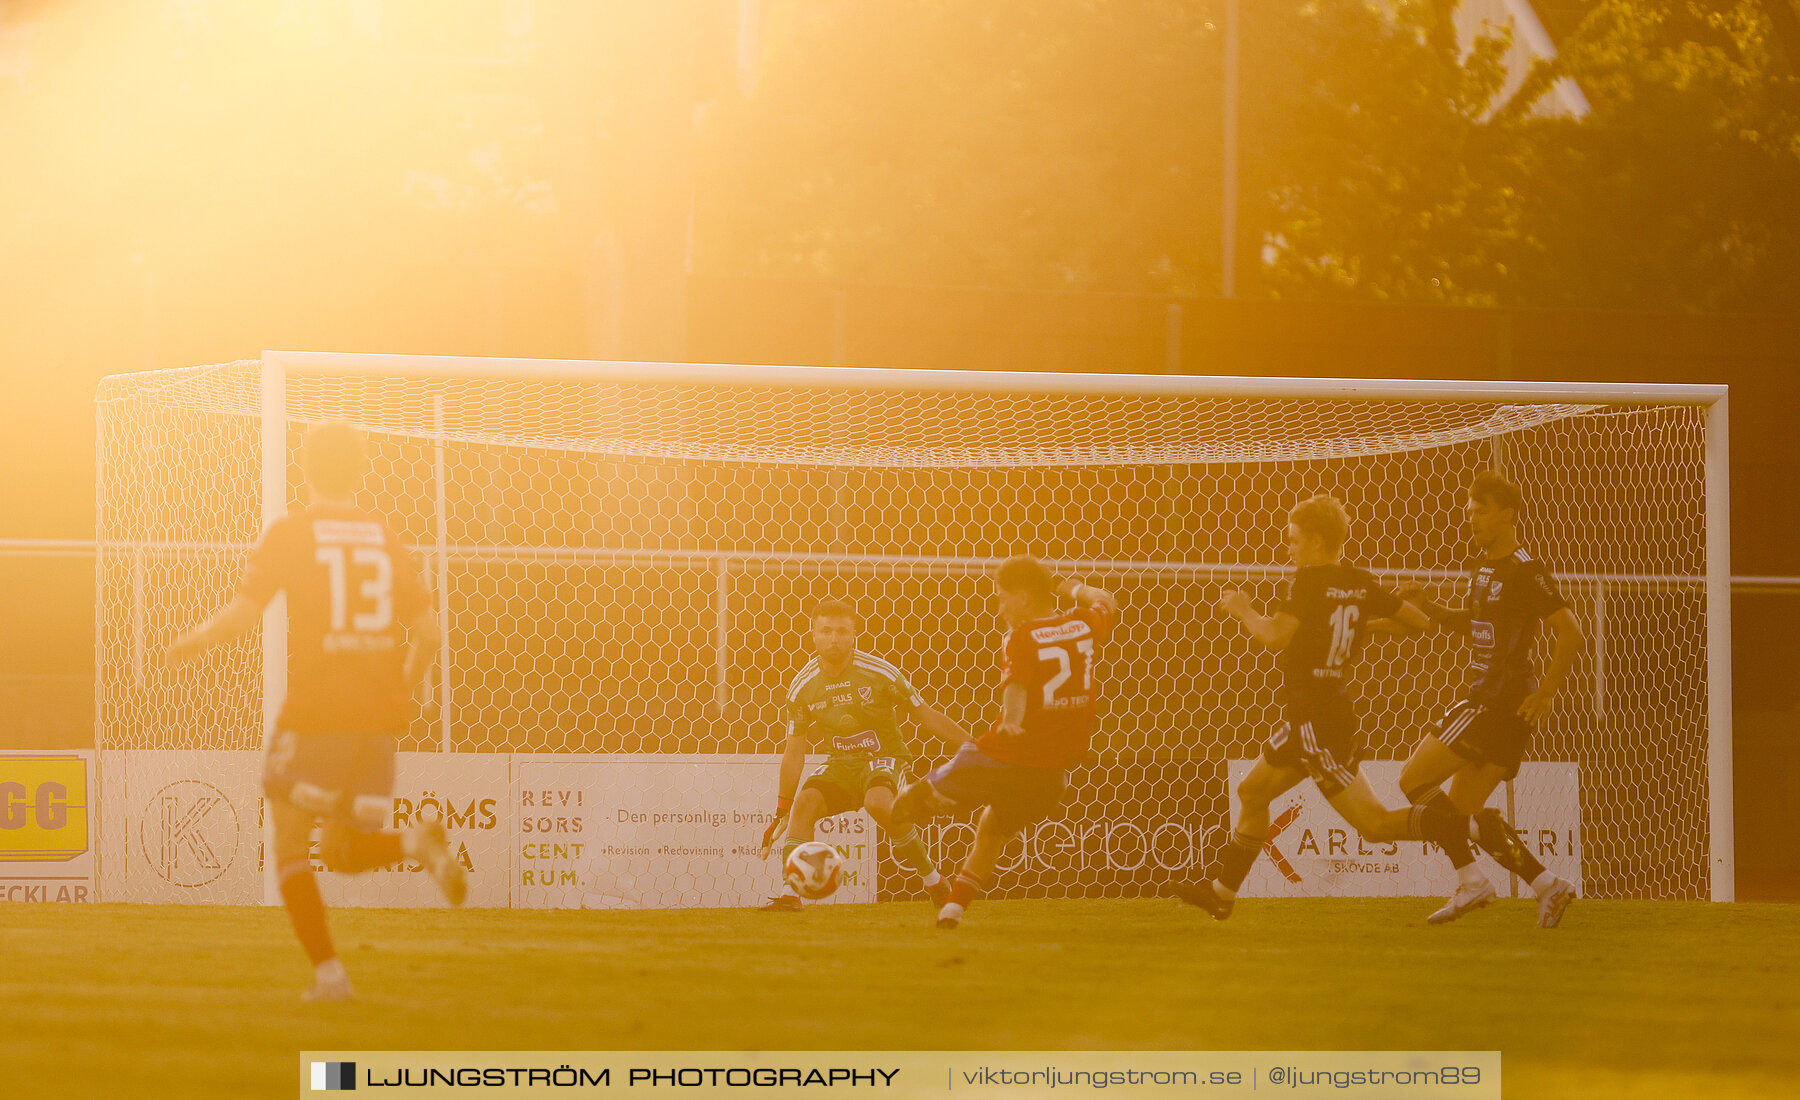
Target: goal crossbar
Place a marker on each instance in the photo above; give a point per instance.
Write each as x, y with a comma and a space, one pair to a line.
327, 364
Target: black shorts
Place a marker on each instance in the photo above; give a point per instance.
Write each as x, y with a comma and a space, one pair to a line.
1487, 733
1320, 738
345, 776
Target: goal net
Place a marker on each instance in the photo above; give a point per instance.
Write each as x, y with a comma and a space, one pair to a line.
622, 556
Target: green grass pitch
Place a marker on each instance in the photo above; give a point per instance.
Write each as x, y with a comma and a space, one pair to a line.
1628, 999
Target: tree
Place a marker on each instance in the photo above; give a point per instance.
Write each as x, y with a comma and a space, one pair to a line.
1077, 145
1379, 162
1049, 144
1682, 189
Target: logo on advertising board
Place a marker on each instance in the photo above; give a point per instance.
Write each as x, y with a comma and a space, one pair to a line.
43, 808
1313, 851
1276, 828
190, 832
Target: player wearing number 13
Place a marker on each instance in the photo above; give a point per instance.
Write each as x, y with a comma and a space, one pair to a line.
352, 597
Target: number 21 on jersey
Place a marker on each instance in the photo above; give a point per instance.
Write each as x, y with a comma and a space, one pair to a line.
1067, 662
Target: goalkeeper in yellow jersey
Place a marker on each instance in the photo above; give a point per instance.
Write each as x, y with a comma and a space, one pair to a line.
849, 703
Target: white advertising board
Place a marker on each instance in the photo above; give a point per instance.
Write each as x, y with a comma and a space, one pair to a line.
1312, 852
181, 826
531, 831
660, 832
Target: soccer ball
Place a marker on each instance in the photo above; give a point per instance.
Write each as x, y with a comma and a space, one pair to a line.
813, 870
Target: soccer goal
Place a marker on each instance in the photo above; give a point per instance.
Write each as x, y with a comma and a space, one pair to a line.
622, 555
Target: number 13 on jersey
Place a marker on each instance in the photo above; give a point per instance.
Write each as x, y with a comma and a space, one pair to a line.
375, 587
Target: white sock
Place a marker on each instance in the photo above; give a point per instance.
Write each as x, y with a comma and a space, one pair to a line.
787, 890
331, 971
932, 878
1541, 885
1224, 891
950, 911
1469, 875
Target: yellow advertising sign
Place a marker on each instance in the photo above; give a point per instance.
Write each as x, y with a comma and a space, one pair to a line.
43, 808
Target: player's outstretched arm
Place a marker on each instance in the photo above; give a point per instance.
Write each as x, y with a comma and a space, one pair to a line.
793, 762
1086, 595
1444, 617
1570, 641
237, 618
1274, 631
1407, 621
941, 725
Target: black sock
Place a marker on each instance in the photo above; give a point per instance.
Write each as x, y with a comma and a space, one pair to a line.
1449, 830
1526, 866
1235, 861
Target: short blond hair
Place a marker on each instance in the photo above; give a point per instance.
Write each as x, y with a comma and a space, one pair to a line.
1322, 515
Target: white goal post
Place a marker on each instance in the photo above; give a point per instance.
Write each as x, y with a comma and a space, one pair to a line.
622, 554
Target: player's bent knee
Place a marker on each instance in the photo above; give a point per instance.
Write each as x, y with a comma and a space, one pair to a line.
1416, 793
334, 848
335, 857
809, 805
314, 799
1254, 796
909, 808
292, 850
1380, 830
292, 831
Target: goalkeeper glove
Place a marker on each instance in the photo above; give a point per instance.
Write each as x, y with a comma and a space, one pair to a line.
783, 806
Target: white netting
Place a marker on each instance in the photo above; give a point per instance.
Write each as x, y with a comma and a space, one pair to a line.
624, 567
835, 428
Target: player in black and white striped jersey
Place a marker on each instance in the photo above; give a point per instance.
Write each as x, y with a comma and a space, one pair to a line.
1480, 740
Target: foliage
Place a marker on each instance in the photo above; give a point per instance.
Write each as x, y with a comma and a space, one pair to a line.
1682, 189
1382, 165
1078, 145
1049, 144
